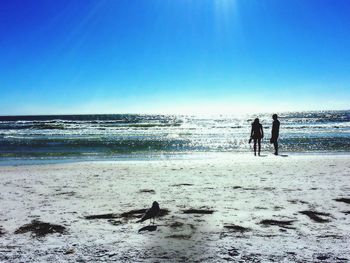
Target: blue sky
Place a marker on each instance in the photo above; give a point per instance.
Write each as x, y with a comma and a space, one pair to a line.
166, 56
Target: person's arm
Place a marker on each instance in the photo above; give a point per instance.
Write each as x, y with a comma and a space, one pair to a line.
262, 132
251, 132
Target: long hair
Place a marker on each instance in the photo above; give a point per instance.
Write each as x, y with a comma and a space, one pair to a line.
256, 121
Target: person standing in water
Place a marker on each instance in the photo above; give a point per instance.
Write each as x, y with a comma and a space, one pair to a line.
275, 133
257, 134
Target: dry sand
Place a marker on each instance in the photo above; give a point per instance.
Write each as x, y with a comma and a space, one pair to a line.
236, 208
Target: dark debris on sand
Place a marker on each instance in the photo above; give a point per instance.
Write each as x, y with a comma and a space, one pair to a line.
330, 258
316, 216
67, 193
179, 236
103, 216
115, 222
2, 232
237, 228
281, 223
233, 252
323, 257
185, 184
147, 191
136, 213
176, 224
344, 200
40, 229
198, 211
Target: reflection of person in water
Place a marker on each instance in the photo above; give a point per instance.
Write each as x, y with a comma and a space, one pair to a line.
257, 134
275, 133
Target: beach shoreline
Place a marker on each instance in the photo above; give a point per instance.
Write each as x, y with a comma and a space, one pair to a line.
154, 157
229, 208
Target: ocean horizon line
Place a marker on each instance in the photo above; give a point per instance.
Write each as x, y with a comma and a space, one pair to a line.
175, 114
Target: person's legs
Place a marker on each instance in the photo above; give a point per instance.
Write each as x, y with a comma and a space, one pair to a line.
275, 145
259, 145
255, 146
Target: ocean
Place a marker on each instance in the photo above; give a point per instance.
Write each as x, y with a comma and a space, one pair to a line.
116, 135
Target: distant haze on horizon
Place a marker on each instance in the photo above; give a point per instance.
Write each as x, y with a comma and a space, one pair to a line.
173, 57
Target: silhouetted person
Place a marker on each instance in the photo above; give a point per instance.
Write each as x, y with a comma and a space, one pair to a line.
275, 133
257, 134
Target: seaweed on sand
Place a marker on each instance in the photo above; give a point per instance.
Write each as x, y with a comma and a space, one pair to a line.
198, 211
40, 229
2, 232
180, 236
139, 212
280, 223
176, 224
103, 216
237, 228
343, 199
151, 191
184, 184
136, 213
316, 216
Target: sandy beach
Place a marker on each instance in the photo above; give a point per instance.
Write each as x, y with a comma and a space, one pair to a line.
229, 207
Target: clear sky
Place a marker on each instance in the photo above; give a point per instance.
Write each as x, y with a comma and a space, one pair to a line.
173, 56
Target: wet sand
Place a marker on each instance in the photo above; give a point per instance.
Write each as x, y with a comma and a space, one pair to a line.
236, 208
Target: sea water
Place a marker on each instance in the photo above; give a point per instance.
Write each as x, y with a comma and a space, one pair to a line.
90, 136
